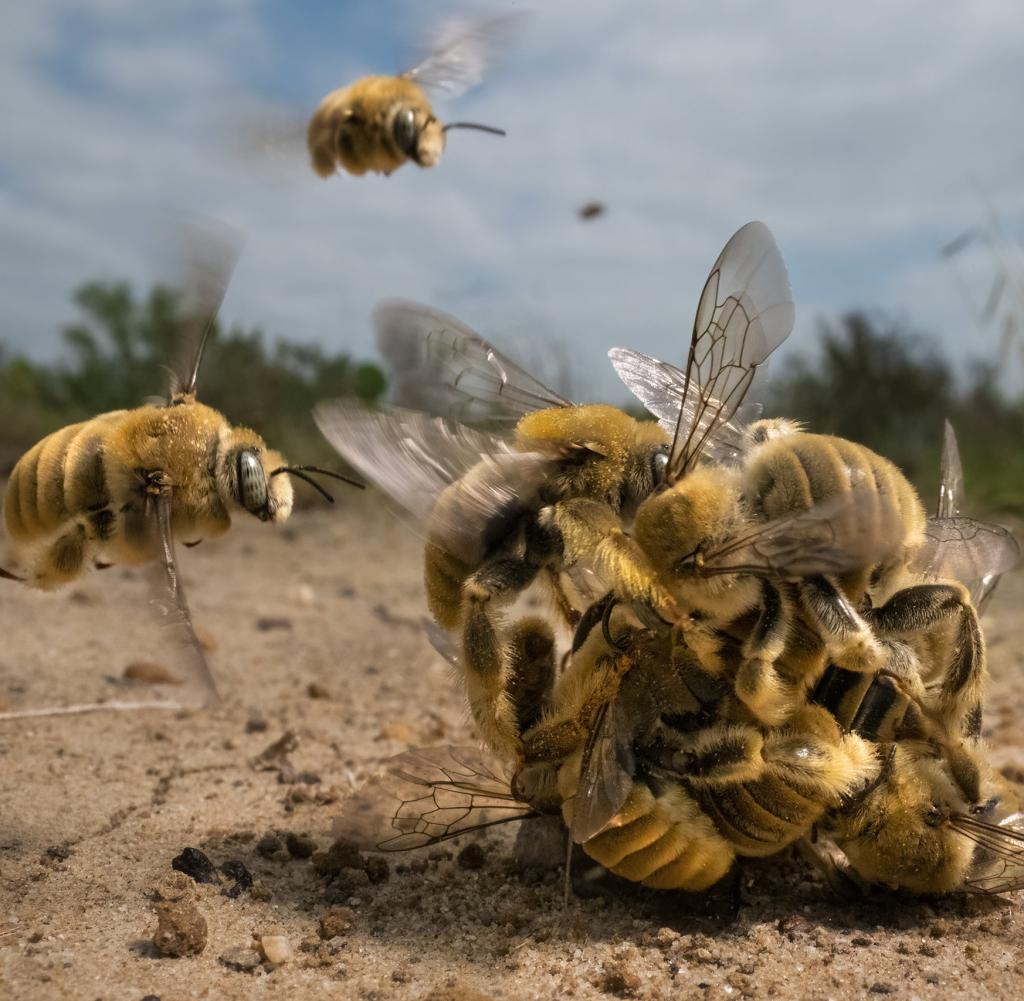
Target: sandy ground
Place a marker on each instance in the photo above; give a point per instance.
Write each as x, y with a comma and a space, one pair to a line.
317, 632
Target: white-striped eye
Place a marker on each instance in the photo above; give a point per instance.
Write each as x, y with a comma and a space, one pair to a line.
252, 482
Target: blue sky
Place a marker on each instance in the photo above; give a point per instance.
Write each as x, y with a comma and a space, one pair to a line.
859, 133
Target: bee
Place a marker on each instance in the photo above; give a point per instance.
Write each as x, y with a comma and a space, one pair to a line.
119, 488
379, 123
709, 529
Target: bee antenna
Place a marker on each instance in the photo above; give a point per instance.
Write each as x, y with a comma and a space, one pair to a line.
474, 125
299, 472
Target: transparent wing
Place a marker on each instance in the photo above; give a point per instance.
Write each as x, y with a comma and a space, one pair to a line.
745, 312
857, 527
951, 478
414, 459
999, 858
428, 796
441, 366
606, 774
443, 642
462, 51
170, 602
211, 253
661, 388
976, 553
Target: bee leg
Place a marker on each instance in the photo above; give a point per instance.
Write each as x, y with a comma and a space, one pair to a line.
917, 608
592, 532
758, 685
7, 575
847, 637
837, 873
486, 653
564, 605
720, 755
531, 669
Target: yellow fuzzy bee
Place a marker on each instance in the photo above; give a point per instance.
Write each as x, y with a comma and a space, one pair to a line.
378, 123
118, 488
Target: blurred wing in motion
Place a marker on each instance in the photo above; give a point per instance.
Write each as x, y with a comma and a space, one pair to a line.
857, 527
172, 606
428, 796
661, 388
441, 366
951, 478
414, 458
999, 856
745, 312
606, 775
975, 553
463, 50
211, 253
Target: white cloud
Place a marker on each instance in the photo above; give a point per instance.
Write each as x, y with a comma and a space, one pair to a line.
853, 131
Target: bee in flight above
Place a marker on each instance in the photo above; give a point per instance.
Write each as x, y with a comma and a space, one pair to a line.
116, 489
379, 123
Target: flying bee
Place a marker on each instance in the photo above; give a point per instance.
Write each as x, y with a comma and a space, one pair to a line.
379, 123
118, 489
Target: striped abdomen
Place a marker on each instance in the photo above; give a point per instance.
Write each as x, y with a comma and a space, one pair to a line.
662, 839
61, 478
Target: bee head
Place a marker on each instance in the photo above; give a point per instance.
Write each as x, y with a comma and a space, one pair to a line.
417, 134
675, 526
253, 485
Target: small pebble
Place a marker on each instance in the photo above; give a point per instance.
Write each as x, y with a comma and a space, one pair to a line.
240, 876
256, 724
192, 862
176, 886
268, 623
317, 691
299, 845
335, 922
181, 929
270, 844
276, 949
472, 856
241, 957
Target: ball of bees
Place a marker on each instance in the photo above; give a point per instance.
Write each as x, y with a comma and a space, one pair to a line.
817, 678
378, 123
119, 488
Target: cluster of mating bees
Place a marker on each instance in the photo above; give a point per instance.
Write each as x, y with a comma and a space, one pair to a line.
757, 637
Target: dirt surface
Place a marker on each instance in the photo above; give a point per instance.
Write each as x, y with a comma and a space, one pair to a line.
317, 633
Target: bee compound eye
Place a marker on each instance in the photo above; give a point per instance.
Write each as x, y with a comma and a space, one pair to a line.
404, 131
659, 464
252, 482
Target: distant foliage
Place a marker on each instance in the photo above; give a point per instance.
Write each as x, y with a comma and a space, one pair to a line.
117, 356
885, 386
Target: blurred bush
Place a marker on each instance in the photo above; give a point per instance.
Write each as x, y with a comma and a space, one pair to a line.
881, 384
117, 355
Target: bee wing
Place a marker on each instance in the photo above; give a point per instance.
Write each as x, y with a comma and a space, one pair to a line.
976, 553
857, 527
744, 313
999, 859
606, 775
443, 367
430, 795
414, 458
171, 604
462, 50
661, 388
211, 253
951, 478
